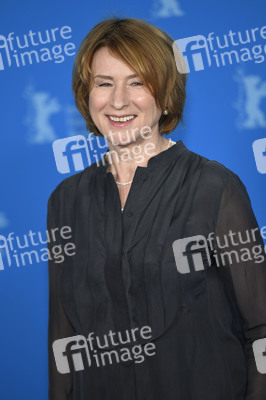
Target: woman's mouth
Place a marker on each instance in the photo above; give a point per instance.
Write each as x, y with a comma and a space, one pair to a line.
123, 120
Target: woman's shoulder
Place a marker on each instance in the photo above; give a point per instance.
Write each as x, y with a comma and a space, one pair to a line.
215, 183
215, 172
215, 176
69, 185
212, 170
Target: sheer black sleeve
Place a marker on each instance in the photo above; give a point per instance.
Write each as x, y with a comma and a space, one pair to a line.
60, 385
242, 268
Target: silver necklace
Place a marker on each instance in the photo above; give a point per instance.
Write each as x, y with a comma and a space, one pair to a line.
170, 141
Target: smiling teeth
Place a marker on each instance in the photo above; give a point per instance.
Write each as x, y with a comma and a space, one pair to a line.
124, 119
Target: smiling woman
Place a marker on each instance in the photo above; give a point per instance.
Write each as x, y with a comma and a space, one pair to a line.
147, 52
120, 100
152, 264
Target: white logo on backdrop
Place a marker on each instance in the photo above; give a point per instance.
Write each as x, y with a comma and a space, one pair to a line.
167, 8
251, 92
75, 123
3, 220
42, 106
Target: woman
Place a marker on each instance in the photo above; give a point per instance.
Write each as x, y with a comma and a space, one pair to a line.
165, 266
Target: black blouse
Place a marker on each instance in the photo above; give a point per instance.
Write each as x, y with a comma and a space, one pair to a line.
203, 298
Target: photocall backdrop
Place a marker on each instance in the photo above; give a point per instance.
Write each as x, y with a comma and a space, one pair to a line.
44, 139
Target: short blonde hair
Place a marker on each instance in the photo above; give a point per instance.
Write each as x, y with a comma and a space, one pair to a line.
148, 51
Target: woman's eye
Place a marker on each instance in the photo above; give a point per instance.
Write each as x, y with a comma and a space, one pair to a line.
104, 84
107, 84
137, 84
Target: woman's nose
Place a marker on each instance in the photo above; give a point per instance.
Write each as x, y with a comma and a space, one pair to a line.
120, 97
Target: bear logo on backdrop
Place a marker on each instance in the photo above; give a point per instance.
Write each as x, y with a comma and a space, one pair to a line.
42, 106
251, 111
3, 220
167, 8
251, 93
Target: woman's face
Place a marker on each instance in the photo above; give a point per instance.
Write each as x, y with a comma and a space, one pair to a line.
117, 92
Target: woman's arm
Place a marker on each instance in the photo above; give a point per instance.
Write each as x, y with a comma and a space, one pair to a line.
245, 273
60, 385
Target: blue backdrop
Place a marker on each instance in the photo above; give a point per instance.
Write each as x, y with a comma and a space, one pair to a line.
225, 119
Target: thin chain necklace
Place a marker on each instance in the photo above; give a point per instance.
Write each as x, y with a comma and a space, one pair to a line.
170, 141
